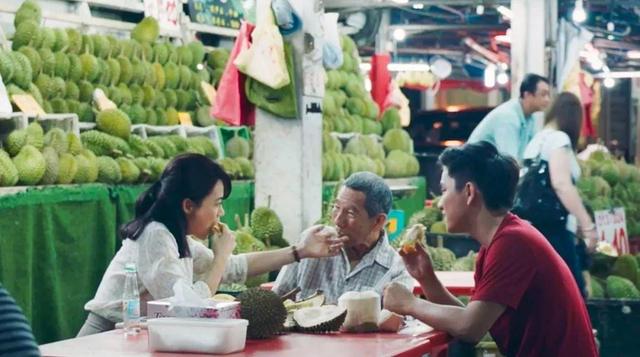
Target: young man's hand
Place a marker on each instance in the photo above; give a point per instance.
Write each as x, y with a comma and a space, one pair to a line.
418, 262
397, 298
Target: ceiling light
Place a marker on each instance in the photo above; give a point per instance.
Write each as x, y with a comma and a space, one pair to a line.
480, 9
579, 14
609, 82
418, 6
399, 34
408, 67
633, 54
490, 76
611, 26
365, 66
401, 2
502, 78
505, 11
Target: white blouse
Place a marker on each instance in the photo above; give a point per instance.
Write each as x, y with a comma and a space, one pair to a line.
156, 256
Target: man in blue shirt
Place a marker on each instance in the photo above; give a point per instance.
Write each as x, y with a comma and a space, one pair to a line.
509, 126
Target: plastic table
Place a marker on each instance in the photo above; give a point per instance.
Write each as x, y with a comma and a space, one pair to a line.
114, 343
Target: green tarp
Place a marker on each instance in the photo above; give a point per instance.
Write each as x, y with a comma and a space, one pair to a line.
57, 241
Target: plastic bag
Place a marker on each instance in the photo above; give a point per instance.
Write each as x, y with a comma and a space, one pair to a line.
331, 50
264, 60
281, 102
231, 102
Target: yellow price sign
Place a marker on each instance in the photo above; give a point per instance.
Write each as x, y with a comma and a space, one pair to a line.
27, 104
392, 226
185, 118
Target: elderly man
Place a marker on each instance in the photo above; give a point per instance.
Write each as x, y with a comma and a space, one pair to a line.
509, 126
367, 261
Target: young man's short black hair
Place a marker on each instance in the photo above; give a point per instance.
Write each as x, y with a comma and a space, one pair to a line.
495, 174
530, 83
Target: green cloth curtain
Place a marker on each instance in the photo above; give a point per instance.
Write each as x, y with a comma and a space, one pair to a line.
55, 244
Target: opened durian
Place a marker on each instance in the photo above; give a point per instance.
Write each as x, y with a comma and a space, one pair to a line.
319, 319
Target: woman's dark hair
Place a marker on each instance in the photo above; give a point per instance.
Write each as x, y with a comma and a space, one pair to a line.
189, 176
566, 112
495, 174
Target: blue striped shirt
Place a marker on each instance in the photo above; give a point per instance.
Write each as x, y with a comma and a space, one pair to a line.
16, 338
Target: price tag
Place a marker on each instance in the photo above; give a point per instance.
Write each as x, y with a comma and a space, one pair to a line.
209, 91
27, 104
5, 103
185, 118
166, 12
611, 226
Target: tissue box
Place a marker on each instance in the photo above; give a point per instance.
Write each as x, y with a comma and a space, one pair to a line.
216, 310
219, 336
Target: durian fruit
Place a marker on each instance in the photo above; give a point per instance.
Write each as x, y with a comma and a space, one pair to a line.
206, 145
52, 166
246, 167
57, 139
30, 164
326, 318
130, 172
9, 173
15, 141
114, 122
87, 167
266, 226
108, 170
6, 66
35, 135
146, 31
67, 168
22, 74
265, 312
237, 147
75, 145
25, 32
28, 10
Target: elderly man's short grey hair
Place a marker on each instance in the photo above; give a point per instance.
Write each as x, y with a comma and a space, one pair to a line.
377, 192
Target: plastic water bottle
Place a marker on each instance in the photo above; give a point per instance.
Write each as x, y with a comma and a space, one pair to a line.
131, 301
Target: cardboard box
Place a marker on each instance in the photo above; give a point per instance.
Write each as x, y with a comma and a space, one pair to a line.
216, 310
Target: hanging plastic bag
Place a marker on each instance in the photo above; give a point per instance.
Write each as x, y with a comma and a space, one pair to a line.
280, 102
397, 99
287, 19
231, 103
264, 59
331, 50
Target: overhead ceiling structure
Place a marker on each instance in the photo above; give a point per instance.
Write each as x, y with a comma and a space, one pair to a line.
473, 32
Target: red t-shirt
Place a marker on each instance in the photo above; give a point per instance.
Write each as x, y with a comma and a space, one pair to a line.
545, 314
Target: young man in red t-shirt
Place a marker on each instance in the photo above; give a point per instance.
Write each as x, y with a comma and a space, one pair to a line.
525, 295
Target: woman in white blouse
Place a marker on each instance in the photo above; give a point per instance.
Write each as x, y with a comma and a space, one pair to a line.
185, 202
556, 144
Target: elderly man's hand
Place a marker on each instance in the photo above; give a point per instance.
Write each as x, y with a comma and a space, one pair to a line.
320, 241
397, 298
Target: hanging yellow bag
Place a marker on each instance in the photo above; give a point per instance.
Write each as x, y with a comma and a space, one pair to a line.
264, 60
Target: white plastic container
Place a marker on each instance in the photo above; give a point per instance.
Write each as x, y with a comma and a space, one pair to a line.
175, 334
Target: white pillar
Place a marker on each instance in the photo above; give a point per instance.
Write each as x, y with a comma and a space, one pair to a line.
288, 152
530, 27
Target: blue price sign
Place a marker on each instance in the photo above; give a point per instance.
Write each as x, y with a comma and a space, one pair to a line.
395, 224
